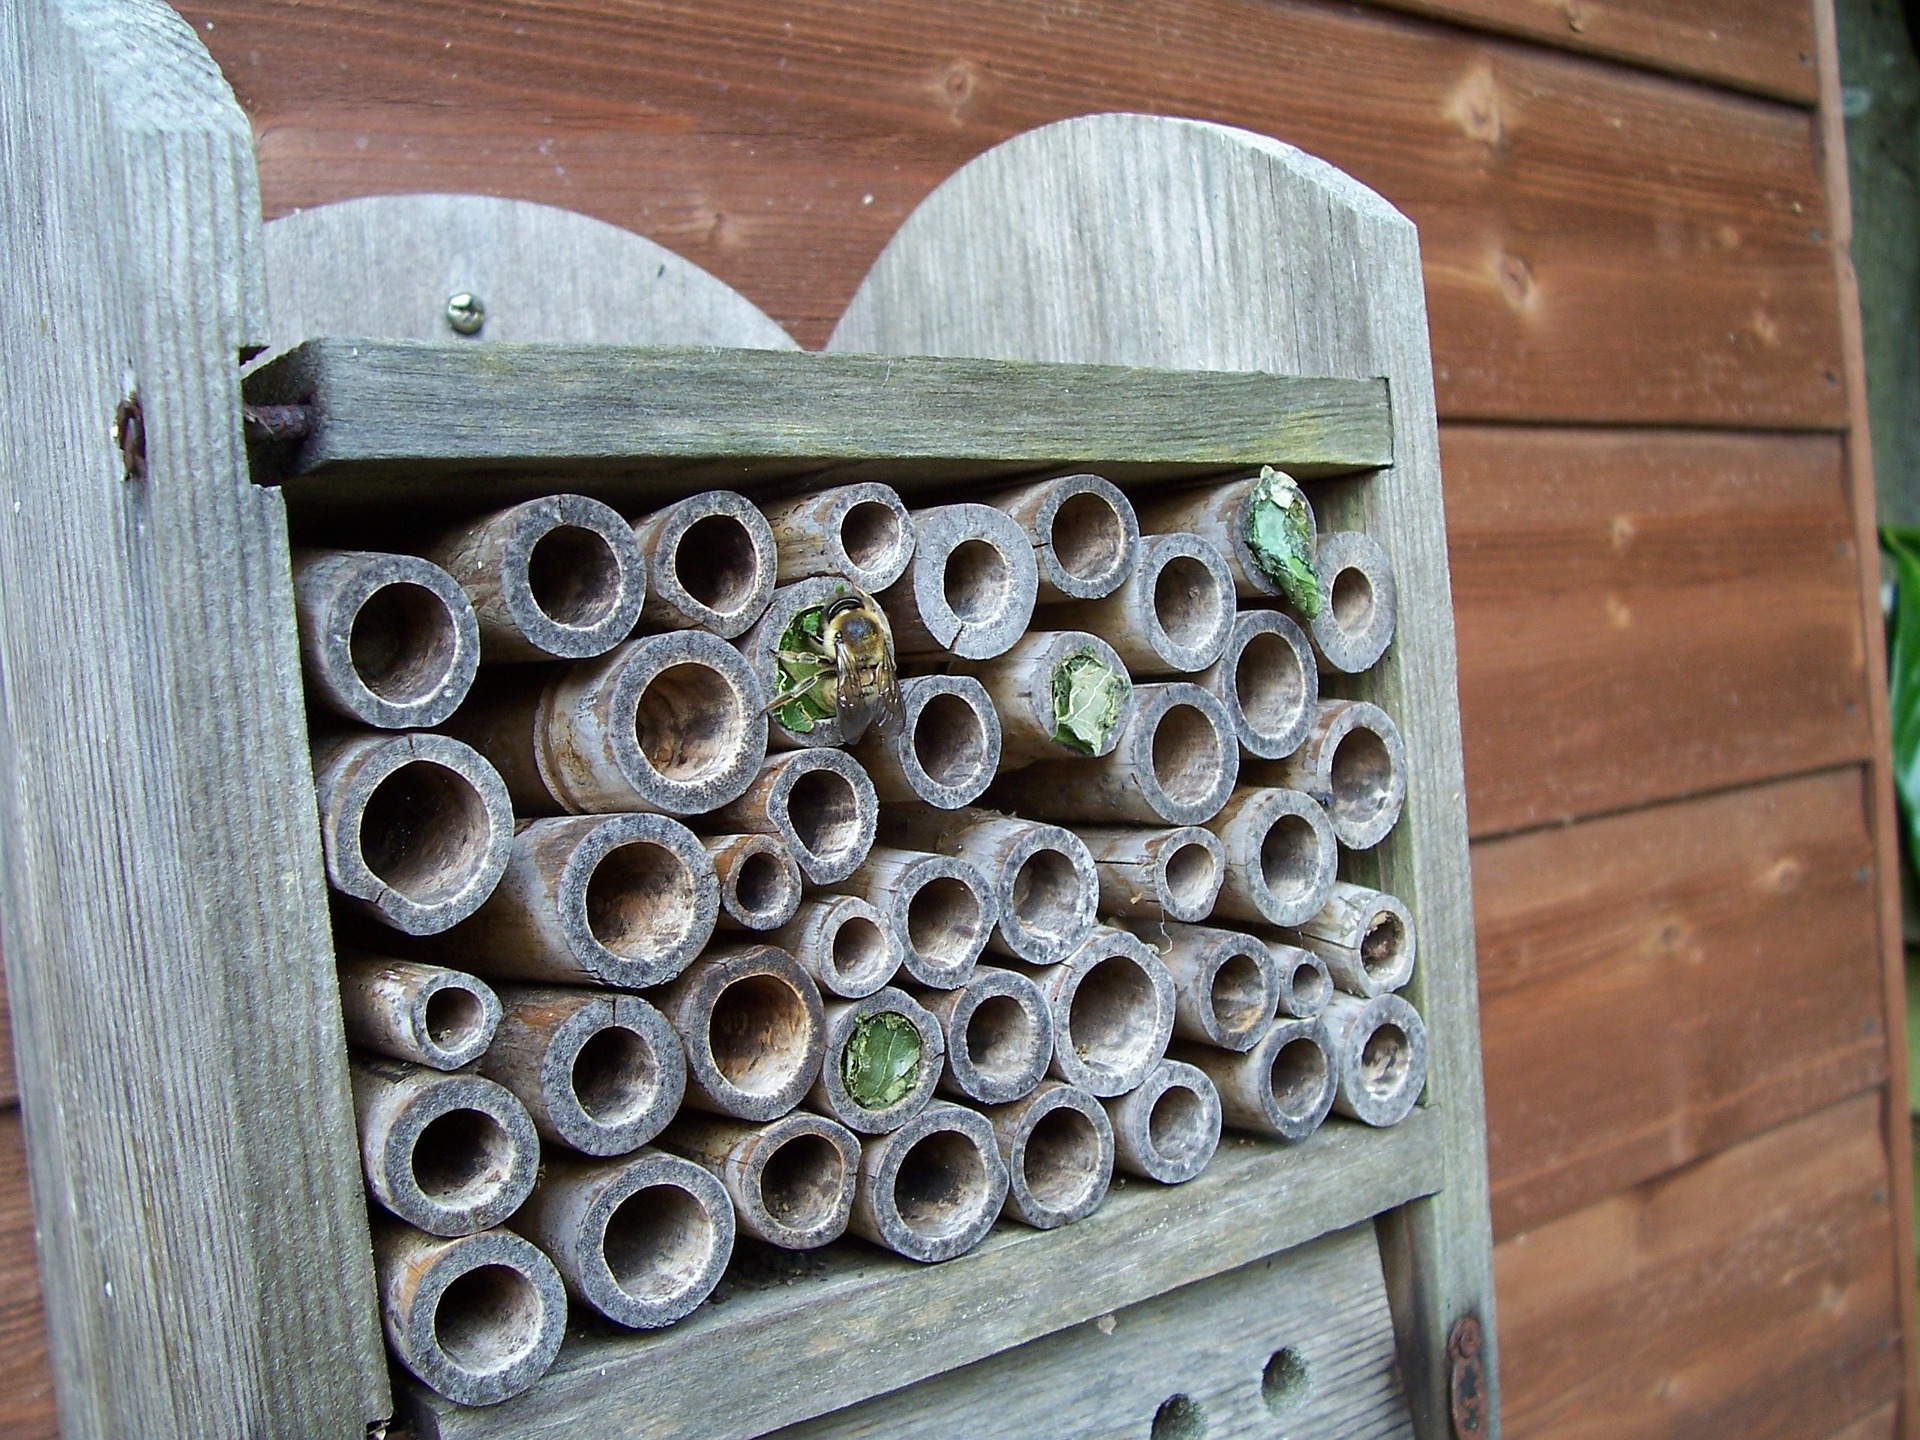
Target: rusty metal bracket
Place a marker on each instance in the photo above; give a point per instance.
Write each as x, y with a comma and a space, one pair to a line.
1466, 1384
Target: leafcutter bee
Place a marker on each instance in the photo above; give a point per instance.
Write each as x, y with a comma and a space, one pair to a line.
853, 649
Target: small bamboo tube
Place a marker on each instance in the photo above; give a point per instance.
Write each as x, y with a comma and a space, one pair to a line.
999, 1036
759, 880
861, 533
761, 646
1358, 604
449, 1154
1269, 681
932, 1189
940, 908
845, 945
671, 723
1306, 985
1217, 514
599, 1071
946, 750
1354, 763
1176, 763
387, 640
621, 900
557, 578
642, 1239
1172, 616
426, 1014
1020, 686
833, 1093
1157, 874
791, 1179
1283, 1086
1045, 886
1364, 938
1112, 1006
971, 587
1085, 537
751, 1024
1281, 856
1380, 1057
1057, 1145
415, 828
477, 1319
1226, 985
711, 562
820, 803
1168, 1128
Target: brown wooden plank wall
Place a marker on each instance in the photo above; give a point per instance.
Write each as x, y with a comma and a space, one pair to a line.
1642, 375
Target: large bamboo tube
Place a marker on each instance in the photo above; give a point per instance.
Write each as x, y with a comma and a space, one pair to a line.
1175, 763
1112, 1006
859, 532
931, 1189
1026, 684
1283, 1086
1365, 938
599, 1071
1057, 1145
946, 750
751, 1024
1354, 763
621, 900
1380, 1057
971, 587
999, 1036
668, 723
1281, 856
1358, 604
1085, 537
1157, 874
1269, 681
1168, 1128
427, 1014
1226, 984
762, 646
387, 640
1218, 514
557, 578
941, 909
642, 1239
449, 1154
1306, 985
791, 1179
478, 1319
759, 880
821, 803
1172, 616
711, 563
415, 828
844, 944
884, 1055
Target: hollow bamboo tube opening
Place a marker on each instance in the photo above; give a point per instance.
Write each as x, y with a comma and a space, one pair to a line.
1240, 996
462, 1159
641, 899
843, 943
1353, 762
946, 923
756, 1034
573, 576
1380, 1057
1091, 541
1385, 1059
859, 532
1188, 601
1187, 755
1058, 1148
939, 1178
1168, 1128
859, 949
821, 803
424, 832
1358, 604
791, 1179
765, 888
1176, 1125
803, 1183
1175, 763
871, 534
1170, 874
1305, 982
449, 1153
615, 1076
658, 1242
689, 722
1047, 895
946, 752
456, 1018
1281, 856
1001, 1037
1110, 1021
1362, 774
487, 1319
387, 640
403, 643
1192, 877
1269, 681
1061, 1164
971, 587
1297, 1078
407, 1010
931, 1189
712, 560
824, 810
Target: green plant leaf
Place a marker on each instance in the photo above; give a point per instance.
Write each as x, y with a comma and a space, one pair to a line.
881, 1063
1902, 548
1087, 696
804, 671
1279, 532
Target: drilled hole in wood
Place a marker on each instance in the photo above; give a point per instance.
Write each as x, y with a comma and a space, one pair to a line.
824, 812
976, 581
801, 1182
454, 1017
1000, 1038
1061, 1163
1284, 1381
1298, 1078
1384, 1061
1192, 875
1269, 683
1046, 888
690, 722
403, 643
941, 1184
616, 1076
1110, 1023
869, 533
573, 576
641, 900
1352, 600
424, 832
1187, 754
944, 920
757, 1034
950, 740
1179, 1418
658, 1242
487, 1319
461, 1158
1238, 997
716, 563
1089, 537
1187, 600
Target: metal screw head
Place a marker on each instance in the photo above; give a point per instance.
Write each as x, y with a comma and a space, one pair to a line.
465, 313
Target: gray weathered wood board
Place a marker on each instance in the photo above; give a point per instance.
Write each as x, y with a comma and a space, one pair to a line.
821, 1331
1142, 240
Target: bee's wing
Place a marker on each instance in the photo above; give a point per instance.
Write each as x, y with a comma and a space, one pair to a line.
889, 716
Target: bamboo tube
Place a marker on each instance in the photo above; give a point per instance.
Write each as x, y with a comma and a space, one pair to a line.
999, 1036
971, 587
1175, 764
621, 900
599, 1071
449, 1154
1380, 1057
946, 750
1358, 604
642, 1239
751, 1024
426, 1014
1045, 888
1157, 874
711, 562
670, 723
931, 1189
860, 1084
1217, 515
759, 880
1354, 763
1364, 938
477, 1319
1226, 985
1269, 681
1281, 856
1020, 685
1086, 540
846, 947
1168, 1128
387, 640
791, 1179
1306, 985
859, 532
1172, 616
1057, 1145
941, 910
557, 578
1112, 1006
820, 803
762, 644
1282, 1087
415, 828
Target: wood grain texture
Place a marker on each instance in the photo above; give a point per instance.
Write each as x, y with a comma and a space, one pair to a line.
1882, 1424
9, 1081
1746, 1295
1647, 614
1742, 921
1599, 244
26, 1378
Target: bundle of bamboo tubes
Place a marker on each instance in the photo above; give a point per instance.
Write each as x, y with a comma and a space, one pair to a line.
662, 921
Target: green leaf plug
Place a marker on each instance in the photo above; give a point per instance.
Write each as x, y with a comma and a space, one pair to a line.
1279, 532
